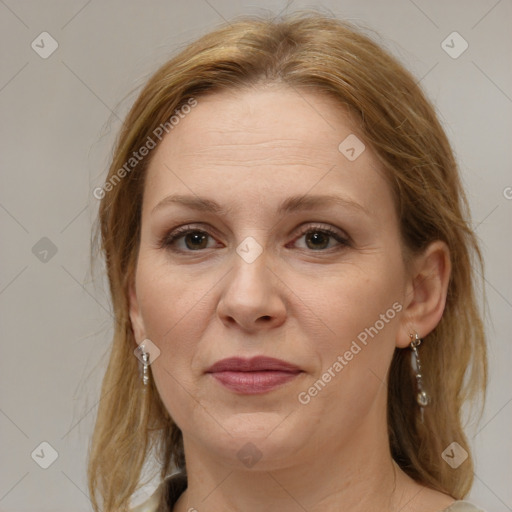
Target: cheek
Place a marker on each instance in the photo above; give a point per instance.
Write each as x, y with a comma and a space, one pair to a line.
350, 300
169, 296
360, 313
167, 303
176, 308
331, 308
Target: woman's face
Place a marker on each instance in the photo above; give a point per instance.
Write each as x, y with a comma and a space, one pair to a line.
293, 252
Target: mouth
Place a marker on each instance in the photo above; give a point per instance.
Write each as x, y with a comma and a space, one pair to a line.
253, 376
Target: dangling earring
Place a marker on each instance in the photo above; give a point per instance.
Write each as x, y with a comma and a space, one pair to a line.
422, 397
143, 357
145, 371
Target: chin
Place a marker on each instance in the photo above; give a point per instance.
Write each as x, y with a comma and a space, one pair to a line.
256, 440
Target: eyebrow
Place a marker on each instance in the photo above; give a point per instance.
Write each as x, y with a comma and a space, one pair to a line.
289, 205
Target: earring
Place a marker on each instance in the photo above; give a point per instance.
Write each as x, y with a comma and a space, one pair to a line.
144, 366
422, 397
145, 371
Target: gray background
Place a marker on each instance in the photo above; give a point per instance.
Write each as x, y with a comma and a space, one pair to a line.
60, 116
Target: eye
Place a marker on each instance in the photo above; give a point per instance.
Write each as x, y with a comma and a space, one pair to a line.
190, 239
320, 238
187, 239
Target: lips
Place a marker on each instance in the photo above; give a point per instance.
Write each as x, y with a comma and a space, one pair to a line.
253, 376
255, 364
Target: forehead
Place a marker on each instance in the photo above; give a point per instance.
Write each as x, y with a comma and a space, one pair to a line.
268, 141
275, 119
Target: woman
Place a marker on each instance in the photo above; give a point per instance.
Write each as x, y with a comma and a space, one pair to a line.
290, 261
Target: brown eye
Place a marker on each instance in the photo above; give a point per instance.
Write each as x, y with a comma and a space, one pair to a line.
321, 239
317, 240
196, 240
187, 240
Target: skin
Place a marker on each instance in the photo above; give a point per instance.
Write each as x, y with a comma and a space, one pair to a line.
300, 300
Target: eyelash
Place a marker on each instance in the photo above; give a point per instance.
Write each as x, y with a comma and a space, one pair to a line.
167, 241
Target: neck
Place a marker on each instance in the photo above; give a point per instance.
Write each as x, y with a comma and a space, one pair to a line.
357, 474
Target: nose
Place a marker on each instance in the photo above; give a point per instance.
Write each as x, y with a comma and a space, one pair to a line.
253, 296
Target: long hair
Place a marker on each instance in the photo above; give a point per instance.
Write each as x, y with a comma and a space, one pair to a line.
305, 51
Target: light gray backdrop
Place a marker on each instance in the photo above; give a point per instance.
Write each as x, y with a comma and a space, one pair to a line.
60, 113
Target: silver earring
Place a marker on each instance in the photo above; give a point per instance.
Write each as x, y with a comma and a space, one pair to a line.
144, 363
145, 370
422, 397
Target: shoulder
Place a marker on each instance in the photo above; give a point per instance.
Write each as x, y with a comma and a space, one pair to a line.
463, 506
165, 496
151, 504
421, 498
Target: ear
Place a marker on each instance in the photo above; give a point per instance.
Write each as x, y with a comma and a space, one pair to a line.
138, 328
426, 292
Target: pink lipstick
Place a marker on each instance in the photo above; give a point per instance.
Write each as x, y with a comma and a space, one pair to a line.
253, 376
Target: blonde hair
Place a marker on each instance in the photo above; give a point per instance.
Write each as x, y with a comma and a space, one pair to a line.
306, 51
